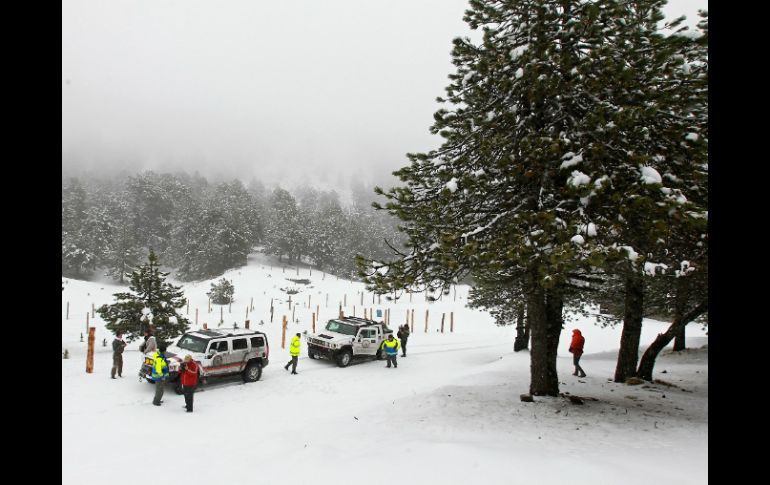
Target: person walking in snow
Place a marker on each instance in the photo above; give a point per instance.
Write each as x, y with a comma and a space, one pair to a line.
391, 346
403, 334
159, 373
188, 376
294, 349
576, 348
118, 345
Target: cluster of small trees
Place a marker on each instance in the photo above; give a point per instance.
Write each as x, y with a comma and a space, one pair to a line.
574, 170
201, 229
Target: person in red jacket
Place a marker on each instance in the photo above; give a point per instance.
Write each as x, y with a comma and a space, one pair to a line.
189, 380
576, 347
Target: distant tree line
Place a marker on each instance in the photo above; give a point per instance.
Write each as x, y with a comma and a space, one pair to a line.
201, 229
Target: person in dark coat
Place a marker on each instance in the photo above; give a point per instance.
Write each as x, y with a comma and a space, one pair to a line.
118, 345
403, 335
576, 348
188, 376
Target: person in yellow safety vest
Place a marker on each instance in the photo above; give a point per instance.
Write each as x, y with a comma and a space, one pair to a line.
391, 347
159, 373
294, 348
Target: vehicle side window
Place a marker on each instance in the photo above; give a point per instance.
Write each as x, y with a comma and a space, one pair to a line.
368, 333
220, 346
257, 342
240, 344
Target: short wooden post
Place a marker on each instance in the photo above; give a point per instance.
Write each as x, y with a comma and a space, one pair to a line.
313, 322
362, 297
452, 322
379, 299
341, 314
407, 317
248, 322
426, 321
87, 314
221, 315
442, 322
209, 311
372, 298
252, 303
317, 311
93, 311
283, 333
308, 301
412, 320
247, 312
68, 311
354, 310
90, 354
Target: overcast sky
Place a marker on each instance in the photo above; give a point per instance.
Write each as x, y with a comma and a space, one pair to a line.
292, 90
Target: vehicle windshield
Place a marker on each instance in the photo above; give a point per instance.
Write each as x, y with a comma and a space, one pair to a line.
340, 327
192, 343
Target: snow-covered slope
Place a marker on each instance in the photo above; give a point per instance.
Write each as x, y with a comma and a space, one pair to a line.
450, 413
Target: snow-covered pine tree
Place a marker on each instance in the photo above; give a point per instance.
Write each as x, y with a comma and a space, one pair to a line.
150, 301
641, 170
221, 292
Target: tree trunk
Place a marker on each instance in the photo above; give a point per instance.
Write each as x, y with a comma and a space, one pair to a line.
554, 306
679, 340
628, 355
682, 296
522, 331
647, 363
543, 381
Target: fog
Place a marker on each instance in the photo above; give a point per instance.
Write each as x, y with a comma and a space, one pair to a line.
291, 91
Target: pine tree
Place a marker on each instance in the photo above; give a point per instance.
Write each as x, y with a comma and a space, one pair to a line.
221, 292
559, 110
150, 302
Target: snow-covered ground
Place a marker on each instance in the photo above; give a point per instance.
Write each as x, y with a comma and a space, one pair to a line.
450, 413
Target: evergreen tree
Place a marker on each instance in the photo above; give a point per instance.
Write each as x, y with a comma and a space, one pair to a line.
221, 292
150, 302
557, 117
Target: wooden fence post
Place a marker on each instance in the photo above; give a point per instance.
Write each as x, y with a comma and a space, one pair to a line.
442, 322
412, 320
426, 321
230, 307
362, 298
68, 311
317, 311
247, 312
345, 300
247, 323
93, 311
292, 313
407, 317
354, 310
308, 301
289, 301
209, 311
252, 303
283, 333
90, 354
327, 300
452, 322
87, 314
313, 322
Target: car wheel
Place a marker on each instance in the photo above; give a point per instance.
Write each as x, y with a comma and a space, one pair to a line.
311, 354
253, 372
344, 358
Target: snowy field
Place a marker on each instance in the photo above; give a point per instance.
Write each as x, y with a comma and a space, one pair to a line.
449, 414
